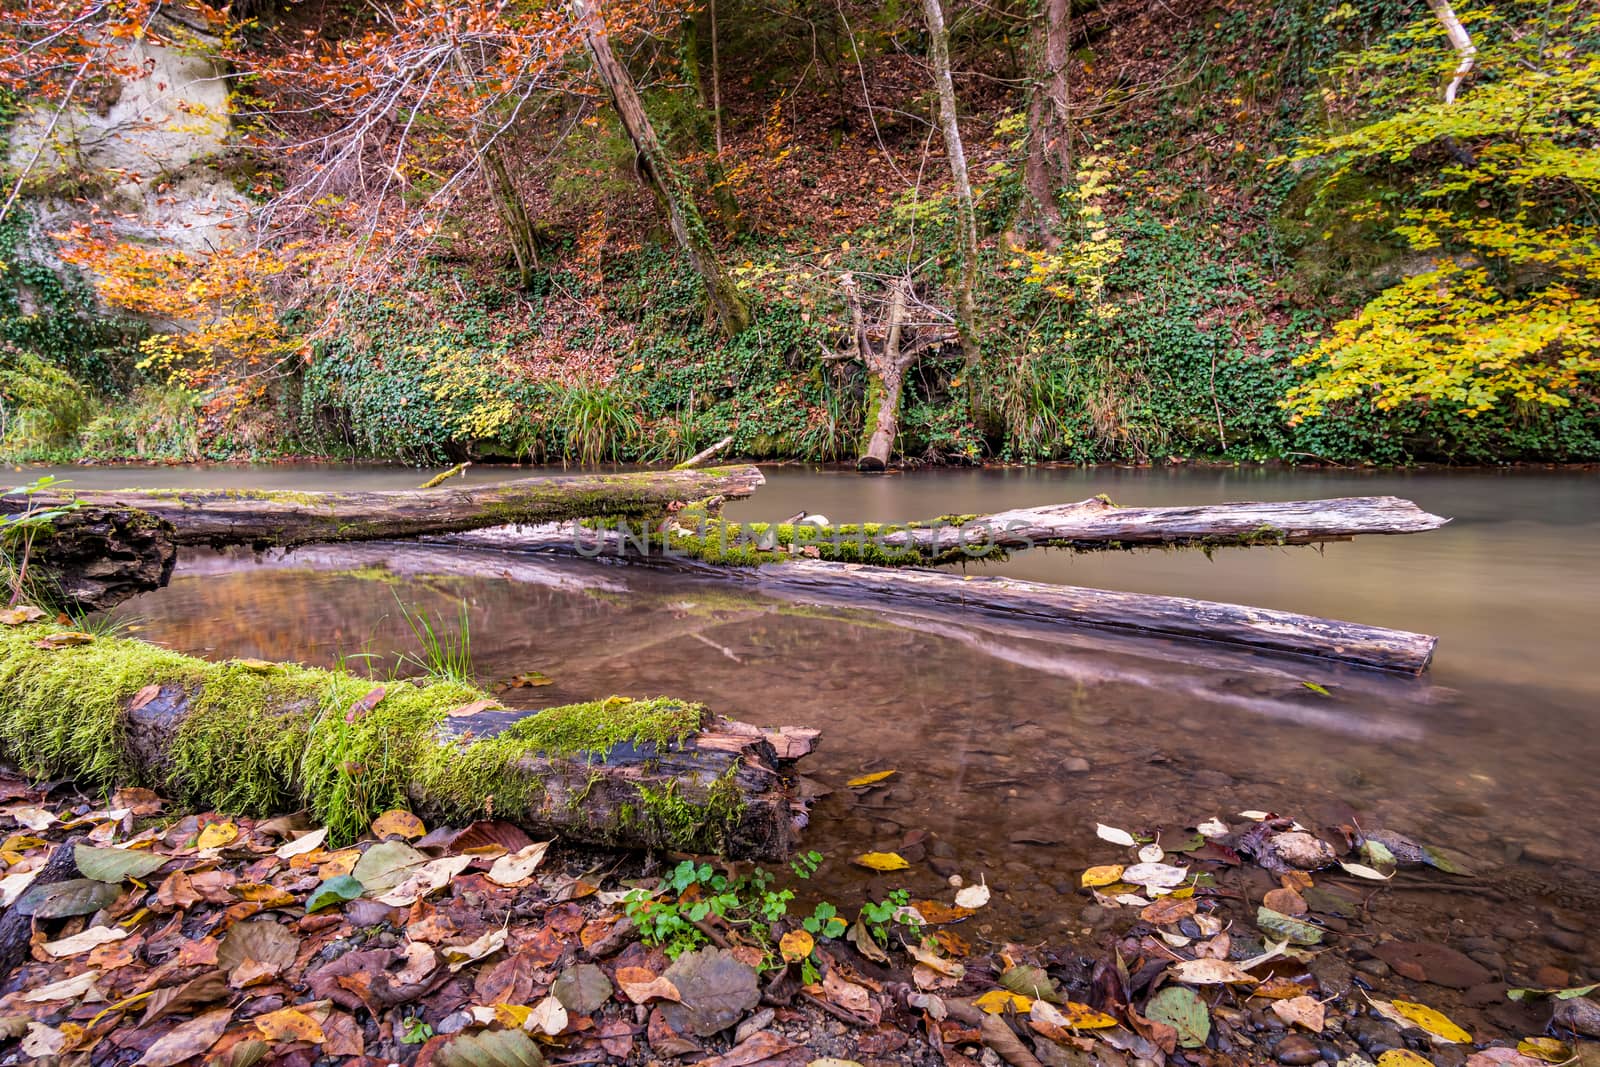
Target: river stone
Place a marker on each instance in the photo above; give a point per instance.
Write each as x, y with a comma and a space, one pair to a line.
1295, 1049
1429, 962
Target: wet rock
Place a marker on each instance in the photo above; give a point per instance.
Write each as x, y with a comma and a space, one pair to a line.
1492, 960
1332, 975
1568, 922
1565, 940
1448, 1056
1373, 967
1295, 1049
1075, 765
1580, 1015
1549, 977
1546, 852
943, 867
1482, 996
1375, 1036
1424, 961
941, 848
1512, 932
1470, 945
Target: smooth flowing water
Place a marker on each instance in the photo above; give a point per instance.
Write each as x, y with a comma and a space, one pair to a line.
1010, 742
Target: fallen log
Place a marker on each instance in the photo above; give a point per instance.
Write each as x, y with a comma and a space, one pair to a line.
92, 558
848, 583
251, 737
275, 518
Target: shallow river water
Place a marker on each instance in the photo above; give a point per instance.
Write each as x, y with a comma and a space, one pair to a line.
1011, 743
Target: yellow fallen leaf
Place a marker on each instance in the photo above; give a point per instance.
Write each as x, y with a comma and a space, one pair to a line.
287, 1024
268, 896
399, 822
217, 834
1545, 1048
1099, 876
796, 945
869, 779
998, 1000
1083, 1017
882, 861
1432, 1021
1403, 1057
512, 1016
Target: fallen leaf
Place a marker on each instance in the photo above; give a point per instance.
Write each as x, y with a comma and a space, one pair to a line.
398, 821
1547, 1049
289, 1024
336, 890
365, 704
1304, 1010
60, 900
302, 845
1282, 926
870, 779
1210, 972
1169, 910
86, 941
549, 1017
796, 945
429, 878
261, 940
1403, 1057
1113, 835
458, 956
188, 1040
70, 988
1155, 875
715, 991
1285, 901
878, 861
1362, 871
582, 989
996, 1001
64, 639
469, 710
1152, 853
1102, 876
216, 835
386, 864
19, 615
973, 896
517, 867
1438, 1026
1182, 1009
491, 1048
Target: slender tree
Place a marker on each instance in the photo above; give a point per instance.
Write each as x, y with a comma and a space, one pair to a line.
1048, 167
659, 169
966, 216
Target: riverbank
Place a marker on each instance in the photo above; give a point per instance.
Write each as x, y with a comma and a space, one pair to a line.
169, 936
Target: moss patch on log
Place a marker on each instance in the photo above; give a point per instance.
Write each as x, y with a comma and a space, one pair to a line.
255, 738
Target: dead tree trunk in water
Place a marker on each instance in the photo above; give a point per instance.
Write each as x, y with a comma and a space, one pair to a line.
668, 183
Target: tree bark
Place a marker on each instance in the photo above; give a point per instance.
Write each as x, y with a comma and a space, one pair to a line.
669, 185
888, 371
275, 518
93, 558
503, 192
1460, 40
720, 788
16, 925
966, 216
1048, 167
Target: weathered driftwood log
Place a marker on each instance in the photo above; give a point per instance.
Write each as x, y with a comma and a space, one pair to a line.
281, 518
1169, 616
96, 557
1035, 602
254, 737
1098, 523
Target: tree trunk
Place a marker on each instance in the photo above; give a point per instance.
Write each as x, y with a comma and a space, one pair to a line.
1048, 167
887, 370
16, 924
1460, 40
503, 192
707, 119
668, 183
966, 217
281, 518
250, 738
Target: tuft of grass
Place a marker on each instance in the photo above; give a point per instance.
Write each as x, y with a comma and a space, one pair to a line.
445, 654
600, 422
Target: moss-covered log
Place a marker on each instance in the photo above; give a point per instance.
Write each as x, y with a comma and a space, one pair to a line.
283, 519
251, 737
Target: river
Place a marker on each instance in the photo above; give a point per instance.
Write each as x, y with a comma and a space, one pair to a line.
1011, 743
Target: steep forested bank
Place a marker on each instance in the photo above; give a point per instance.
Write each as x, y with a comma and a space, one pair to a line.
1235, 229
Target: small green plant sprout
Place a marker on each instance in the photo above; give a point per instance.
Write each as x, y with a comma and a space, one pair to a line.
416, 1030
692, 893
19, 531
895, 908
824, 922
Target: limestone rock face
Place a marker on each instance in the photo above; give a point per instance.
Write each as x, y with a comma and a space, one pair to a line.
145, 145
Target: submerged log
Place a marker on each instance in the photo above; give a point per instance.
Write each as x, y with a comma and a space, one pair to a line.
251, 737
1168, 616
282, 519
1038, 603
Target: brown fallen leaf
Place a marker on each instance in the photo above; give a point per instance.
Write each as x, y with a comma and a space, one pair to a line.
755, 1049
398, 821
641, 986
365, 704
1169, 910
289, 1024
1286, 901
1304, 1010
190, 1039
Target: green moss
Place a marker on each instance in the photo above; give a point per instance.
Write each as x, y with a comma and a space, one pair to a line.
259, 738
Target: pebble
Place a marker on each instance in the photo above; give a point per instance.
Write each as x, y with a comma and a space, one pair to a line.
1075, 765
944, 868
1375, 967
755, 1024
1548, 977
1547, 852
1565, 940
1295, 1049
1375, 1037
1568, 922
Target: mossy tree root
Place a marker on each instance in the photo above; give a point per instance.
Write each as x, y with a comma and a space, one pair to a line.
250, 737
